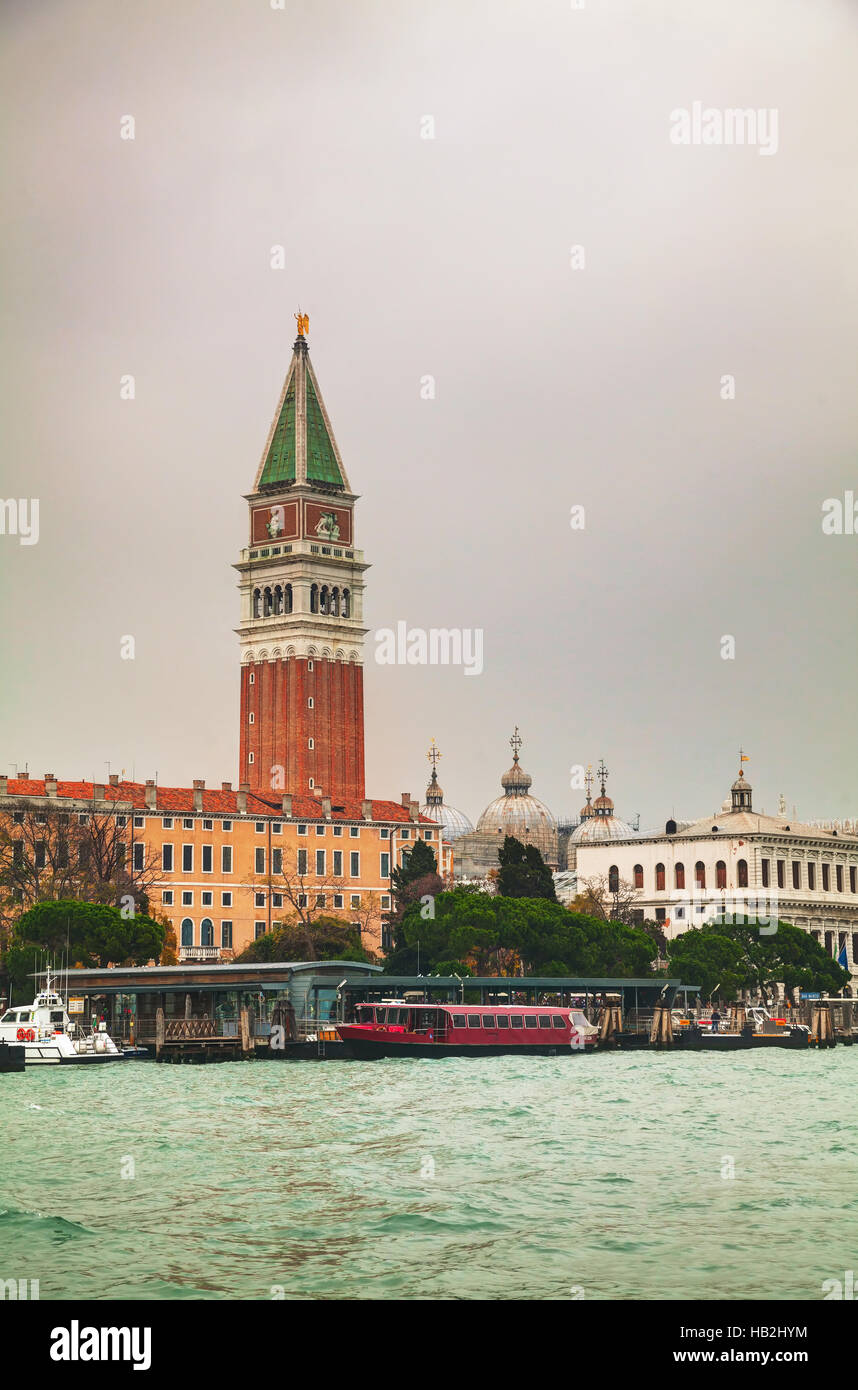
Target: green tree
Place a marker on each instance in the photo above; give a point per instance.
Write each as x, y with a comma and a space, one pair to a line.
416, 886
329, 938
89, 934
523, 872
742, 953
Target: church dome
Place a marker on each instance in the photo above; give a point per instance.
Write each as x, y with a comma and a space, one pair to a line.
600, 823
519, 814
453, 823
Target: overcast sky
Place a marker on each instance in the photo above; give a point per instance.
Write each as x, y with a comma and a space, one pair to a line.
597, 386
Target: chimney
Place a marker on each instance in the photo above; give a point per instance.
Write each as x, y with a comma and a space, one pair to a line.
114, 779
414, 810
4, 786
226, 786
241, 798
287, 804
151, 794
326, 807
406, 799
366, 810
199, 784
98, 791
50, 784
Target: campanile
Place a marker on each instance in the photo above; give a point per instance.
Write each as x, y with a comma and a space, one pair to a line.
301, 585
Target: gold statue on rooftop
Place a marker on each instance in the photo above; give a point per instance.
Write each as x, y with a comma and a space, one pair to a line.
303, 322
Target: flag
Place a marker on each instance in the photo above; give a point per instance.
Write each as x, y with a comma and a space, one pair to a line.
744, 757
841, 959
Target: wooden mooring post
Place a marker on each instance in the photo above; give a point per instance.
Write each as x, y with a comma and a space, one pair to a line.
610, 1024
821, 1026
661, 1032
246, 1029
160, 1033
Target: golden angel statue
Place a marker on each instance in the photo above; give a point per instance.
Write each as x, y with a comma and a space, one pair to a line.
303, 322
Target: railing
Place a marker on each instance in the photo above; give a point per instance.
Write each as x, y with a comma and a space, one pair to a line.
188, 1029
199, 952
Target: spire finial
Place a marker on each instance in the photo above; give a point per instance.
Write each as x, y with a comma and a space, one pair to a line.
602, 773
743, 758
303, 322
588, 781
515, 744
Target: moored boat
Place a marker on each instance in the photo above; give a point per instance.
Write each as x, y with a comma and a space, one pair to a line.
465, 1030
50, 1038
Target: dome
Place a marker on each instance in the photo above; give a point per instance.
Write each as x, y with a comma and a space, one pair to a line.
454, 823
600, 823
518, 813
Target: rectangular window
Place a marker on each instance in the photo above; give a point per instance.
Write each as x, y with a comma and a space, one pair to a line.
226, 826
259, 860
544, 1021
405, 834
277, 827
530, 1021
138, 822
167, 897
338, 863
206, 897
354, 864
208, 825
338, 830
811, 876
852, 878
302, 828
187, 859
384, 864
187, 897
557, 1021
40, 854
838, 875
167, 858
460, 1021
354, 831
320, 863
260, 827
277, 899
259, 900
302, 862
167, 822
474, 1021
338, 900
277, 861
826, 877
302, 899
138, 856
516, 1021
488, 1020
320, 829
226, 936
503, 1021
354, 900
385, 900
226, 899
764, 867
187, 823
226, 859
796, 873
208, 856
780, 873
428, 834
384, 833
258, 929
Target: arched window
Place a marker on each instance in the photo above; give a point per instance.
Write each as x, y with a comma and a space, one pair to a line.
659, 878
700, 874
742, 872
187, 932
613, 879
267, 603
287, 599
314, 598
278, 599
206, 932
720, 874
257, 603
346, 607
335, 602
638, 872
325, 601
679, 875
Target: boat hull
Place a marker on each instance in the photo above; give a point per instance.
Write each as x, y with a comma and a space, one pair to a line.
368, 1050
45, 1055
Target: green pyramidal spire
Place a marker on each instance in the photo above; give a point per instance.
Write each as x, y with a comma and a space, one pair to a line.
301, 447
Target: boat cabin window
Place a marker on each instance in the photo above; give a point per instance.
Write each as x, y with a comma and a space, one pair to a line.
474, 1021
24, 1016
56, 1016
530, 1021
9, 1018
460, 1021
503, 1021
516, 1021
488, 1020
544, 1021
558, 1021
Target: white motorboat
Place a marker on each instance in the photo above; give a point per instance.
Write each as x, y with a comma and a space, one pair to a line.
50, 1038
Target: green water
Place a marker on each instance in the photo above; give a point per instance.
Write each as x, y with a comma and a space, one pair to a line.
601, 1174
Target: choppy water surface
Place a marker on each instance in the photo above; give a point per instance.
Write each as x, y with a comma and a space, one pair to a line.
501, 1178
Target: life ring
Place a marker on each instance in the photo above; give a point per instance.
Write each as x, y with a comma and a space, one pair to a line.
31, 1036
21, 1034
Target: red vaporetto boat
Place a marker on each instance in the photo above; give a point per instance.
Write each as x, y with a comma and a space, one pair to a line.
464, 1030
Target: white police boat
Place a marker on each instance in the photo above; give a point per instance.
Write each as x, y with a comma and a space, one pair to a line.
50, 1038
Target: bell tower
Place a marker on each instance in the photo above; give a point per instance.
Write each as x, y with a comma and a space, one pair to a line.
301, 585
